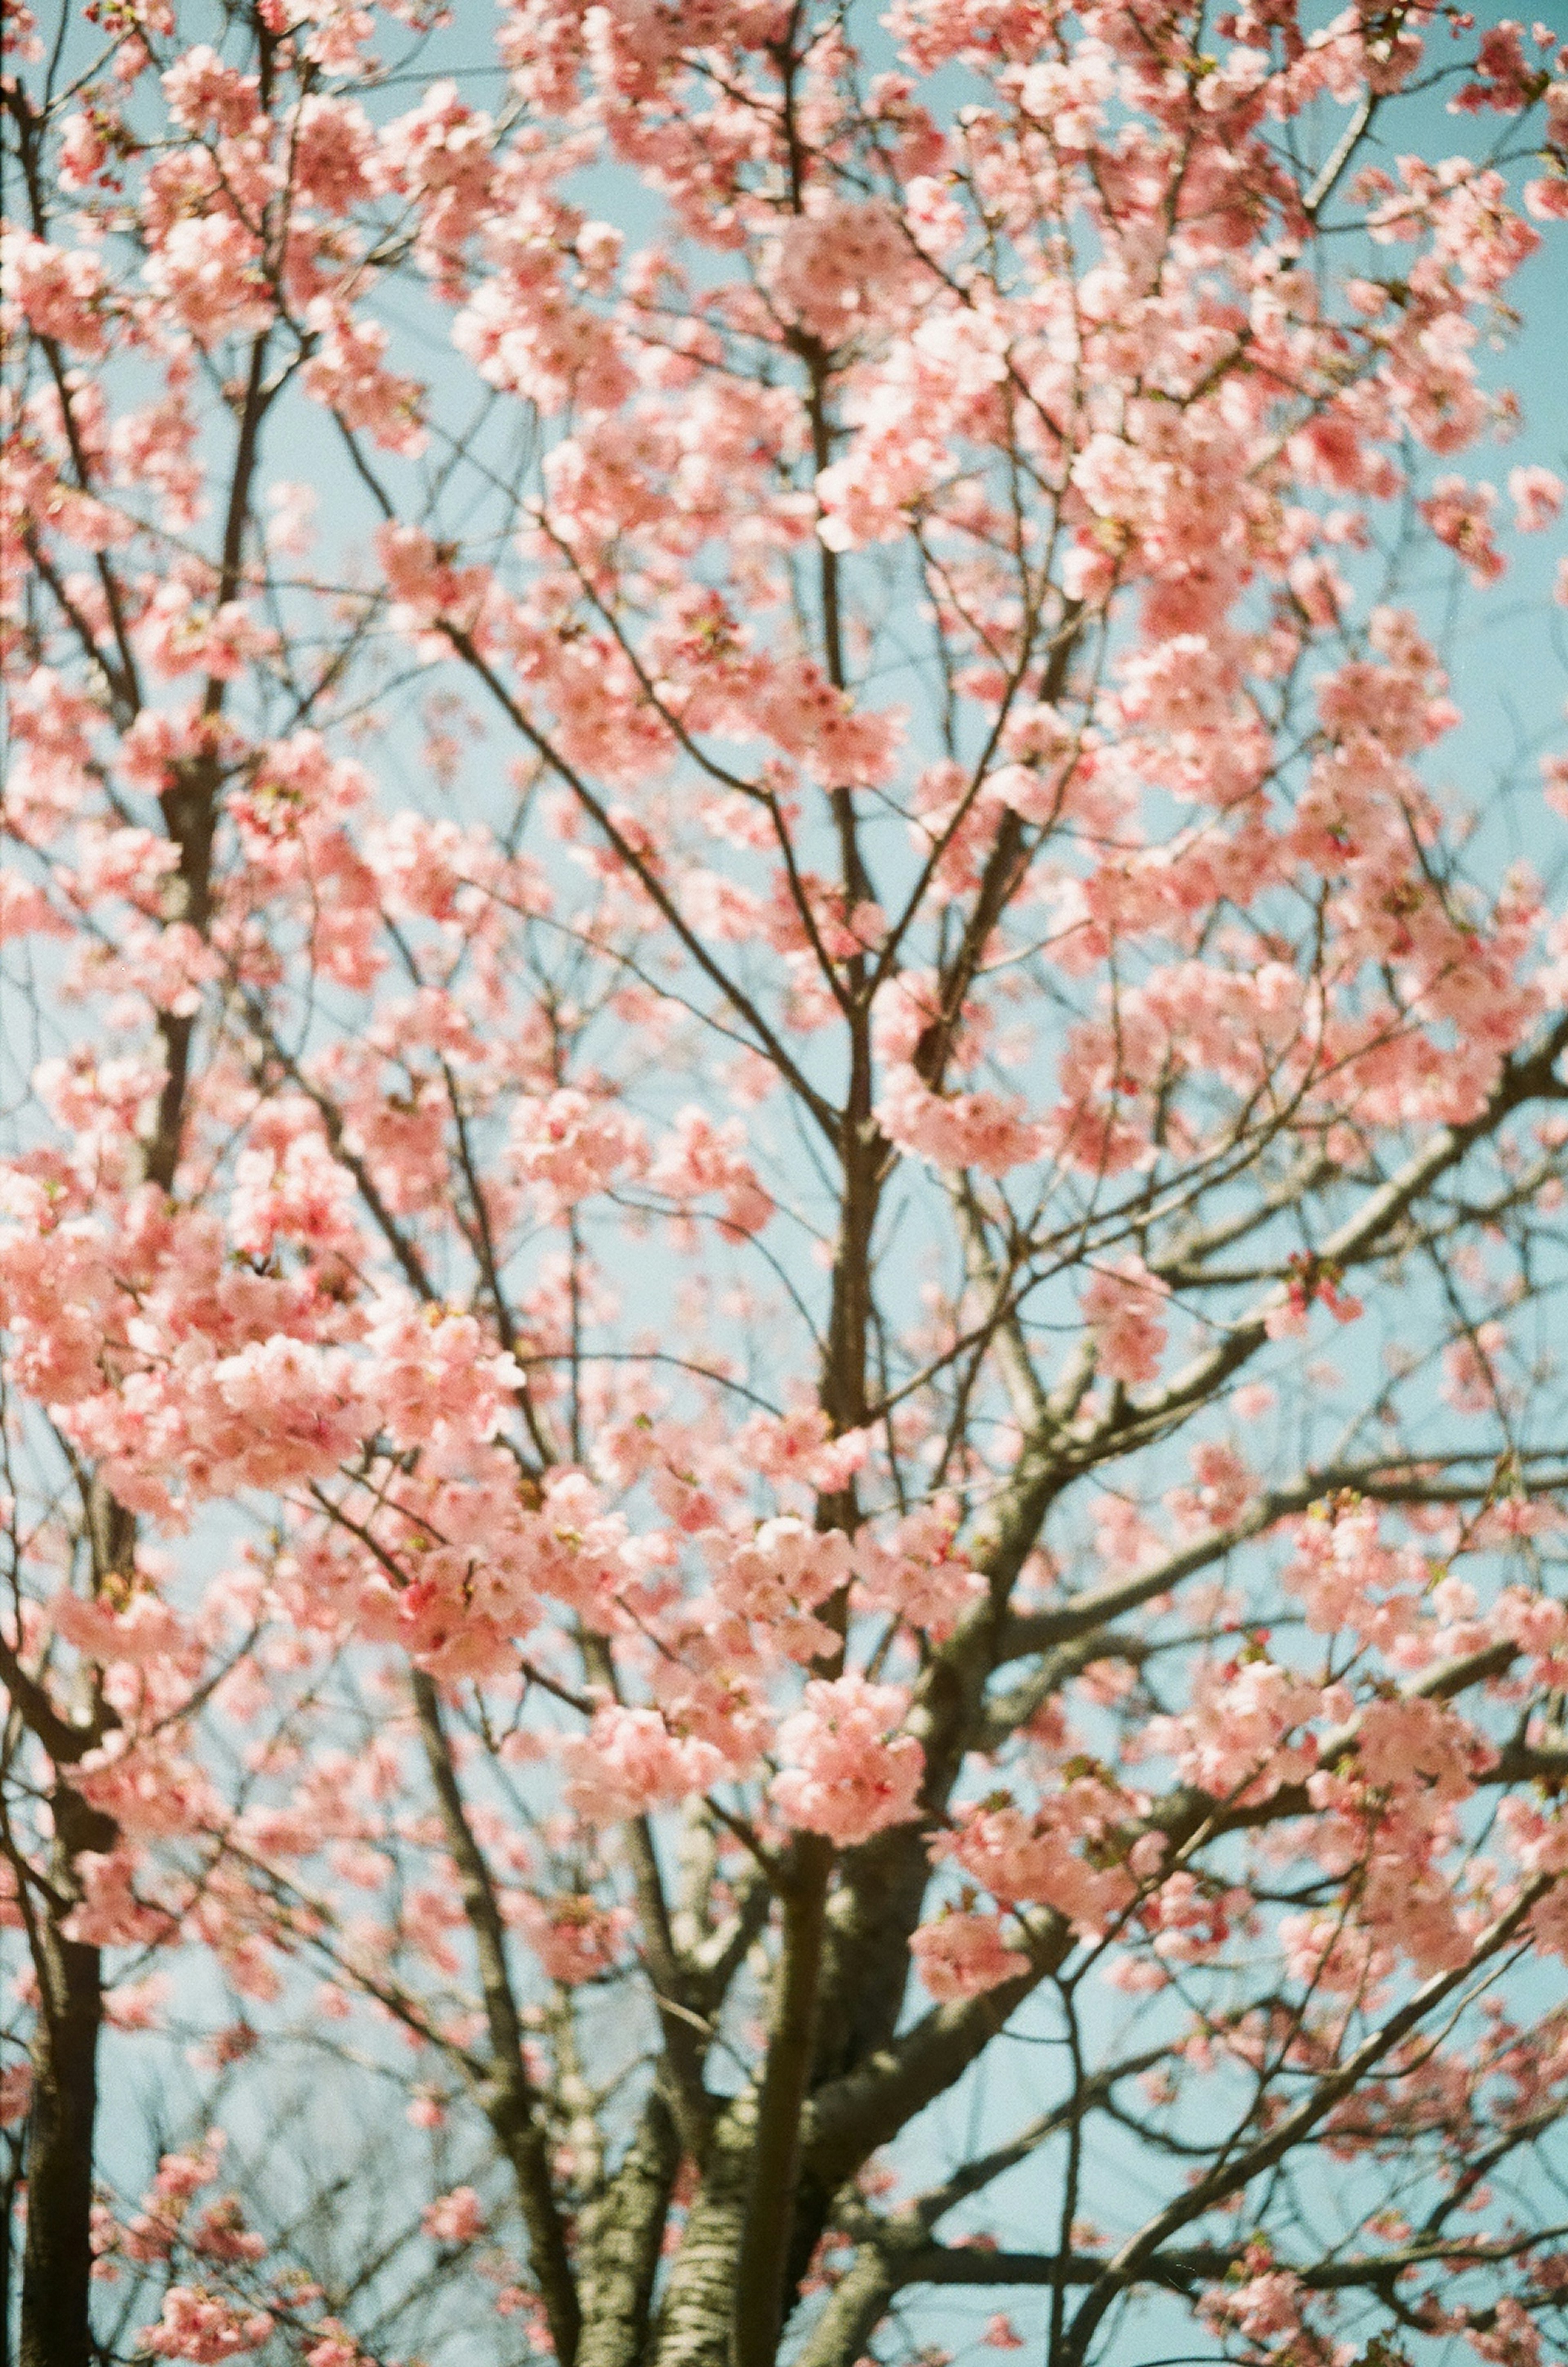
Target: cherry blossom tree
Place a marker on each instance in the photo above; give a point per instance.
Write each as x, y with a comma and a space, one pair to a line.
733, 927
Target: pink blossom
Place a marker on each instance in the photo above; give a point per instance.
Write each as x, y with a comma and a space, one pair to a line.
1471, 1379
207, 271
782, 1574
455, 2218
1460, 515
220, 2233
955, 1131
849, 1771
1547, 197
61, 291
81, 151
838, 264
916, 1572
1039, 1859
1233, 1739
800, 1446
336, 158
347, 373
277, 1412
1121, 1306
202, 2326
204, 95
1418, 1741
570, 1146
963, 1955
629, 1762
335, 2347
436, 1375
1264, 2305
697, 1158
573, 1939
15, 2093
180, 634
300, 1193
443, 152
1537, 495
1222, 1487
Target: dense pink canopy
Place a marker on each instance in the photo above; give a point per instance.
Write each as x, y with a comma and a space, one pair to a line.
783, 1189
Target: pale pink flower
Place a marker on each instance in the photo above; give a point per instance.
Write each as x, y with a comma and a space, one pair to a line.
435, 1375
1460, 515
916, 1572
573, 1938
780, 1575
963, 1955
334, 2346
347, 374
204, 95
1233, 1738
300, 1193
1121, 1307
629, 1762
82, 151
1039, 1858
955, 1131
208, 271
455, 2218
61, 291
570, 1146
849, 1772
698, 1158
204, 2327
336, 159
1537, 495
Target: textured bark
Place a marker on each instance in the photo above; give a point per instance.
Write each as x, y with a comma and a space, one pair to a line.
696, 2321
763, 2269
57, 2262
621, 2246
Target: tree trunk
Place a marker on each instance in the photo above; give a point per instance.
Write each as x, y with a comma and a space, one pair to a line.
57, 2263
